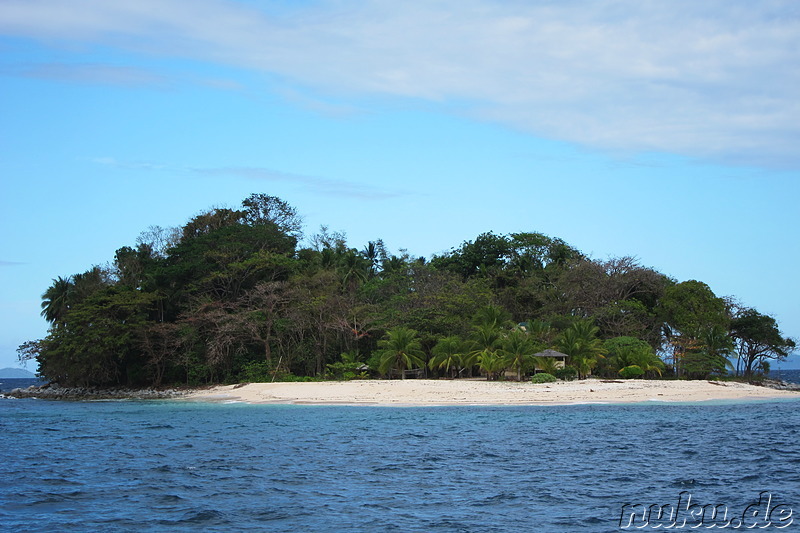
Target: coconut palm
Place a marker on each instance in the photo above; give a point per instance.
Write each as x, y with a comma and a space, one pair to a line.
580, 343
354, 268
492, 363
57, 300
401, 350
447, 354
546, 364
491, 315
630, 351
541, 332
484, 338
518, 349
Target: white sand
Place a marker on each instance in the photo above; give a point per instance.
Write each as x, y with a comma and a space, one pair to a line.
472, 392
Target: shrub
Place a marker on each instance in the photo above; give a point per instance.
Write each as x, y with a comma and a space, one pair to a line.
264, 372
256, 372
543, 377
567, 373
345, 371
632, 371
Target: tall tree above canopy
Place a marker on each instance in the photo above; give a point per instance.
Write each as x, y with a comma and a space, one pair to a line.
530, 252
690, 308
758, 338
209, 221
262, 209
485, 255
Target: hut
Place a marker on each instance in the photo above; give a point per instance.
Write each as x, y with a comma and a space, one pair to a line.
560, 358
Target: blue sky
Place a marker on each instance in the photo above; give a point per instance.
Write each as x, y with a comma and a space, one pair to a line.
663, 130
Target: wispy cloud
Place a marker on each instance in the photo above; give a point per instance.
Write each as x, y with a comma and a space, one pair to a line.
128, 165
314, 184
92, 73
717, 79
11, 263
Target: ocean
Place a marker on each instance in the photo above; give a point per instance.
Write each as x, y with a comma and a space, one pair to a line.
790, 376
164, 466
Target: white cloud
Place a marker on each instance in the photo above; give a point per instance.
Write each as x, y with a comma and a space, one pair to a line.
718, 78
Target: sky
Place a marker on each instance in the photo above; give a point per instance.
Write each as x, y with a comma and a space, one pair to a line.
668, 131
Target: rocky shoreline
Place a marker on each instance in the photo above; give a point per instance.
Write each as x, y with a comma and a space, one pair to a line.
53, 391
780, 385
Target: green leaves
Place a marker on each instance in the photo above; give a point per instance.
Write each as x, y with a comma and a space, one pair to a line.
579, 341
448, 354
758, 338
400, 350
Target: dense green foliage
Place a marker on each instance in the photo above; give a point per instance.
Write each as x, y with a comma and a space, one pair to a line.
543, 377
235, 295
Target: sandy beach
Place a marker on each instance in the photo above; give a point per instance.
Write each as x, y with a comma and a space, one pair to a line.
414, 392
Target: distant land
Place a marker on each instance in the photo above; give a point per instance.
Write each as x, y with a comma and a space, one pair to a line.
7, 373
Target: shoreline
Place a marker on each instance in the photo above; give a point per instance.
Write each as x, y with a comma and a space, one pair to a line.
413, 392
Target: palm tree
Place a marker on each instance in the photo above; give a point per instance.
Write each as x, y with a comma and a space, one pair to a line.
711, 354
540, 331
492, 363
393, 265
518, 349
491, 315
629, 351
546, 364
485, 338
88, 283
57, 299
374, 251
580, 343
447, 354
399, 351
354, 269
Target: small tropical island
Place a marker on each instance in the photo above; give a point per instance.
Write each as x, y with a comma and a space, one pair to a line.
239, 296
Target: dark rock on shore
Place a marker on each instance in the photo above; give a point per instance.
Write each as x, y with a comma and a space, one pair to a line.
780, 385
54, 391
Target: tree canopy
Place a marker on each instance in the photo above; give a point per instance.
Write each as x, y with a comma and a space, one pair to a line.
236, 293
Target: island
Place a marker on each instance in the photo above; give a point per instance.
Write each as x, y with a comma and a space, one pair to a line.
245, 296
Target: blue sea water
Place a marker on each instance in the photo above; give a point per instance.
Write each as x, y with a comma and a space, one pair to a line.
187, 466
9, 384
790, 376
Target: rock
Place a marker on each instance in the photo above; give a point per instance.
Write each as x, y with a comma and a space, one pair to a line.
52, 391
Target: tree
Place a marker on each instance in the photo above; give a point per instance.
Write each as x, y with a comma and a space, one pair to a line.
260, 209
579, 341
447, 354
518, 349
628, 351
261, 309
485, 340
96, 345
482, 257
161, 343
209, 221
689, 310
492, 315
57, 299
758, 338
159, 240
548, 365
492, 363
400, 350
